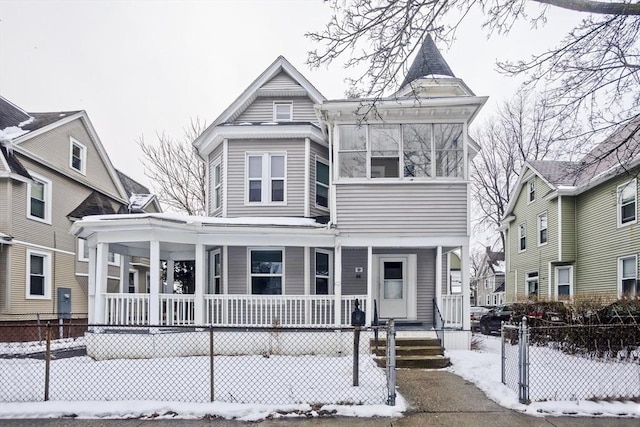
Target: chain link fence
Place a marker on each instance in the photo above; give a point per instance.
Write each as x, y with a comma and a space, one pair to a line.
30, 326
576, 362
243, 365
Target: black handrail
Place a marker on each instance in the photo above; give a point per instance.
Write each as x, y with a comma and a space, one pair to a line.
438, 323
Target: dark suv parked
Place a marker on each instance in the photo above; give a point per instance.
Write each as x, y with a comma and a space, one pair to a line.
492, 321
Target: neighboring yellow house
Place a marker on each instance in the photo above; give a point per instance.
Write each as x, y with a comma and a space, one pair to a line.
53, 171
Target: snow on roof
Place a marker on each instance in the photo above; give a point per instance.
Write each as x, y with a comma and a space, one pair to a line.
11, 132
499, 266
206, 220
139, 201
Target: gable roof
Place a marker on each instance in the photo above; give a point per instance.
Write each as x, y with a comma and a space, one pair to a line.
14, 164
11, 114
94, 204
252, 92
610, 158
134, 189
428, 61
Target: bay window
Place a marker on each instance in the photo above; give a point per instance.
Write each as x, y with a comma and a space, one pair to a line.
266, 178
322, 183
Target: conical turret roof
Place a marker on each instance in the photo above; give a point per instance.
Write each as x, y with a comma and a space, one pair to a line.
428, 61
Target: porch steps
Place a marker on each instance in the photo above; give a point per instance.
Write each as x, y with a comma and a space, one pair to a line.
412, 353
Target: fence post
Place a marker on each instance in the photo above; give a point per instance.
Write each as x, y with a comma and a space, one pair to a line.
391, 362
523, 361
356, 356
502, 353
212, 394
47, 360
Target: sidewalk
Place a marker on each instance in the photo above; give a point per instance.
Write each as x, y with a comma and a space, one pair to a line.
436, 398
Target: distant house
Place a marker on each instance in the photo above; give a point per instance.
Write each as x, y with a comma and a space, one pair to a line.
572, 227
53, 171
489, 279
313, 204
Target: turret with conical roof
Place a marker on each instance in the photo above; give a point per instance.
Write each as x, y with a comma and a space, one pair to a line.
430, 75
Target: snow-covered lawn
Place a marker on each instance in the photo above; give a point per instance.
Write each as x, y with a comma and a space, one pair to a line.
482, 367
15, 348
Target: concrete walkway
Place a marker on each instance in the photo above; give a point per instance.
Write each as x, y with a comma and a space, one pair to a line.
436, 398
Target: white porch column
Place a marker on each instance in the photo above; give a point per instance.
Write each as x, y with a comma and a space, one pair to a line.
337, 289
369, 312
466, 288
102, 258
168, 289
200, 280
124, 273
154, 286
91, 307
307, 283
439, 278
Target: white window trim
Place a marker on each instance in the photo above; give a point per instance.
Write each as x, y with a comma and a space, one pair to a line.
545, 214
136, 278
619, 190
433, 165
265, 179
619, 282
249, 274
531, 181
83, 156
527, 279
48, 198
82, 243
316, 276
213, 254
147, 278
116, 259
217, 185
325, 162
570, 267
275, 116
524, 225
47, 275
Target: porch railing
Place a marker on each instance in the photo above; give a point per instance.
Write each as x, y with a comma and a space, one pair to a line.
452, 312
233, 310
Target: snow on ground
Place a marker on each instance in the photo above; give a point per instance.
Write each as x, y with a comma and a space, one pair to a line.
16, 348
482, 367
287, 385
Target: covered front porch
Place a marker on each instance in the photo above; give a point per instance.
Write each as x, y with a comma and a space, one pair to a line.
283, 272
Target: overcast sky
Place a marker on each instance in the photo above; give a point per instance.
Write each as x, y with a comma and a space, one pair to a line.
141, 67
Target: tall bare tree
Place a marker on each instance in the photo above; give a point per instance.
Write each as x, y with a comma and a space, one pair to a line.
523, 129
593, 72
178, 175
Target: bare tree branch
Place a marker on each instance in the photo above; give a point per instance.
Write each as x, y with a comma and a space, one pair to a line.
178, 175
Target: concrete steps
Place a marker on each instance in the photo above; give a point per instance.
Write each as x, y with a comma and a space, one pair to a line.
413, 353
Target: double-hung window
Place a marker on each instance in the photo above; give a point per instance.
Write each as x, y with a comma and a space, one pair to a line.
532, 190
266, 178
282, 111
564, 281
38, 275
447, 139
77, 156
627, 195
531, 283
217, 185
542, 229
39, 195
215, 269
322, 183
628, 276
266, 271
522, 237
385, 151
323, 272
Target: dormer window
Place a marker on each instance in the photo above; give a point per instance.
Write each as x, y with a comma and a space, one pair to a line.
282, 111
77, 156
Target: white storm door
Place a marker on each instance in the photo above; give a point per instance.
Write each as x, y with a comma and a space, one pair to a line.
393, 287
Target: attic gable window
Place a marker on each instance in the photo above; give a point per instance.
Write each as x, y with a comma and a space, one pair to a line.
282, 111
627, 203
77, 156
532, 190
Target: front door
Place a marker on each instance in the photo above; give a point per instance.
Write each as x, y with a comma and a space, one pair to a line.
393, 283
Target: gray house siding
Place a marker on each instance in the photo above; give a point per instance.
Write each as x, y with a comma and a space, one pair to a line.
430, 209
282, 81
322, 153
568, 234
237, 150
261, 110
352, 258
214, 157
